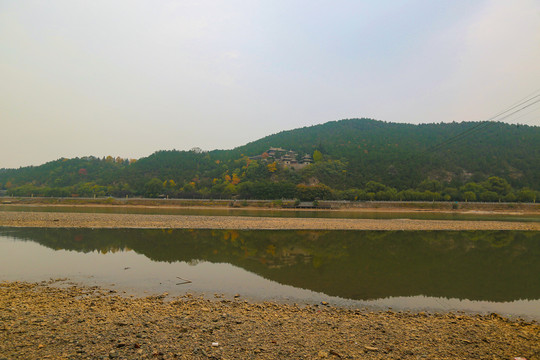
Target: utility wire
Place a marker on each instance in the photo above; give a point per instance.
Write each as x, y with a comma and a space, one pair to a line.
525, 115
533, 110
487, 123
515, 106
483, 125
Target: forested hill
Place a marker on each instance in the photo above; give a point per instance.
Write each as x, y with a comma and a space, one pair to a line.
402, 155
353, 158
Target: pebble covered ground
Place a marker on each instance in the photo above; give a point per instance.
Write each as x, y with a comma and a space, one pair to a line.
98, 220
44, 321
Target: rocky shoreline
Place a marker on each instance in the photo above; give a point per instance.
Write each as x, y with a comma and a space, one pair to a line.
100, 220
43, 321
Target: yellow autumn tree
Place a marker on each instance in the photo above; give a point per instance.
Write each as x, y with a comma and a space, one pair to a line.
272, 167
169, 183
317, 156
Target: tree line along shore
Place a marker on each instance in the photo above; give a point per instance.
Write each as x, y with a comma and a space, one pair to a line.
494, 189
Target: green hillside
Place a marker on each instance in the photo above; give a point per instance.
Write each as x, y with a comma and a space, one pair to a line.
358, 159
402, 154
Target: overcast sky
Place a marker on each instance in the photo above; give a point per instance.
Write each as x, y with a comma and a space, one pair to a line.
127, 78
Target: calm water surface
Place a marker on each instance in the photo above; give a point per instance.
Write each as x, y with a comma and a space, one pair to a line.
478, 271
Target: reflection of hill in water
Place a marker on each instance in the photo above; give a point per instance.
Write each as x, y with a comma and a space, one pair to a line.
476, 265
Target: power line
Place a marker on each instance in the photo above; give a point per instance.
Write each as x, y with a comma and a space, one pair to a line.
490, 122
514, 120
516, 105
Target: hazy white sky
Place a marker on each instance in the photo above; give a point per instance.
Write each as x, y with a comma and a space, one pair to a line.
127, 78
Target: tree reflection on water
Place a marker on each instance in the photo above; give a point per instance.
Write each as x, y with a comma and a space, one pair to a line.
361, 265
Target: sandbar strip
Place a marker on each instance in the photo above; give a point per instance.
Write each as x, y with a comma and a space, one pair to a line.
98, 220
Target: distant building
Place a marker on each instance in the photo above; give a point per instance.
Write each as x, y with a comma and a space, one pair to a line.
288, 158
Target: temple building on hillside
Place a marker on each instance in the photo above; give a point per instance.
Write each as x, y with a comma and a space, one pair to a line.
284, 157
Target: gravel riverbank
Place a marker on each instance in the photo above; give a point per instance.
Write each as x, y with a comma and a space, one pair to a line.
41, 321
100, 220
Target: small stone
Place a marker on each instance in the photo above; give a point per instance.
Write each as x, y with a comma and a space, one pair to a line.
215, 344
371, 348
325, 303
162, 296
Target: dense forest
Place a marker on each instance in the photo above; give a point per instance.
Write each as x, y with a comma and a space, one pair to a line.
354, 159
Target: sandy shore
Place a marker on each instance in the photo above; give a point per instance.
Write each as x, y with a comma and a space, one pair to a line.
97, 220
39, 321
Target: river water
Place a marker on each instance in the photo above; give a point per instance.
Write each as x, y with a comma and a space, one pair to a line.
470, 271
